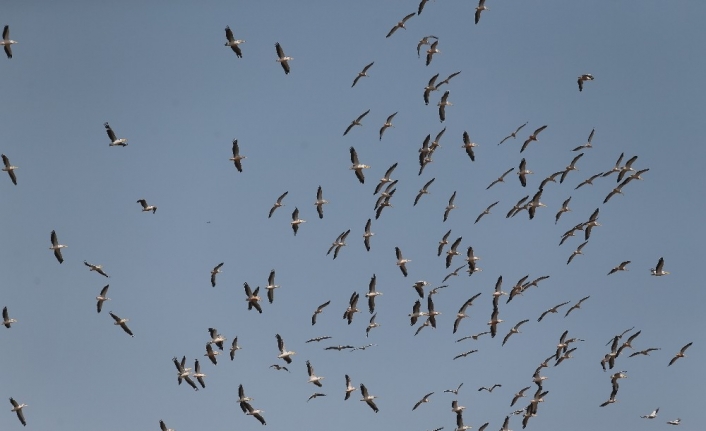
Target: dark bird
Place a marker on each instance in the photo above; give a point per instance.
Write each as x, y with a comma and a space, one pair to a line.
362, 73
282, 59
400, 24
532, 137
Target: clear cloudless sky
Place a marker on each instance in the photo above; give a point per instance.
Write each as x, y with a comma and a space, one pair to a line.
160, 74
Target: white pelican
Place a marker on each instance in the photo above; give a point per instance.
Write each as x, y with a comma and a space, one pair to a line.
277, 204
627, 168
577, 305
425, 39
356, 122
214, 271
388, 123
16, 407
419, 287
582, 78
571, 167
513, 135
216, 338
371, 325
532, 137
617, 167
283, 59
514, 330
490, 389
320, 338
252, 297
198, 374
550, 179
577, 251
163, 426
659, 271
423, 191
318, 311
368, 398
481, 7
236, 159
386, 195
320, 202
7, 43
430, 311
357, 166
564, 208
452, 251
535, 203
651, 415
233, 43
271, 286
114, 141
284, 354
102, 297
313, 378
455, 392
468, 145
590, 224
242, 398
349, 387
485, 211
147, 208
450, 206
431, 86
522, 172
680, 354
9, 169
56, 247
464, 354
459, 423
6, 318
462, 312
431, 51
122, 323
616, 191
589, 180
554, 309
385, 179
401, 261
296, 221
518, 395
96, 268
493, 323
443, 103
338, 243
234, 348
372, 293
423, 400
587, 144
256, 413
315, 395
676, 421
362, 73
416, 312
621, 267
352, 307
367, 235
183, 372
400, 24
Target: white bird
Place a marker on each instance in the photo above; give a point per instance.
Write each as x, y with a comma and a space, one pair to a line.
284, 354
252, 297
256, 413
96, 268
676, 421
362, 73
401, 261
481, 7
352, 307
6, 318
371, 325
514, 330
425, 39
114, 141
296, 221
183, 372
651, 415
313, 378
468, 145
518, 395
621, 267
576, 252
431, 86
368, 233
271, 286
320, 202
357, 166
587, 144
356, 122
571, 167
577, 305
101, 298
680, 354
234, 347
233, 43
236, 159
368, 398
532, 137
146, 207
6, 42
589, 181
582, 78
400, 24
214, 271
564, 208
443, 103
163, 426
431, 51
277, 204
388, 123
423, 400
554, 309
349, 387
283, 59
198, 374
16, 407
485, 211
385, 179
450, 206
122, 323
513, 135
462, 311
372, 293
56, 247
9, 169
522, 172
659, 271
216, 338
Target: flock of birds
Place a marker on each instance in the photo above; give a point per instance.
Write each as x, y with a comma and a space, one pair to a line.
385, 191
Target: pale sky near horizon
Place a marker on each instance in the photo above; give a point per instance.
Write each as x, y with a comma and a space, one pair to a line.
161, 76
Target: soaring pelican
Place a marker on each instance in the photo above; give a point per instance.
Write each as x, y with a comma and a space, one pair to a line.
515, 330
362, 73
96, 268
577, 251
424, 40
211, 354
564, 208
6, 318
16, 407
234, 347
277, 204
236, 159
651, 415
102, 297
368, 398
513, 135
320, 202
256, 413
481, 7
349, 387
577, 305
367, 235
453, 251
318, 311
198, 374
522, 172
587, 144
7, 43
356, 122
114, 141
554, 309
462, 312
9, 169
371, 325
423, 191
388, 123
56, 247
443, 103
571, 167
214, 271
216, 338
431, 86
401, 261
163, 426
659, 271
296, 221
284, 354
423, 400
313, 378
352, 307
532, 137
486, 211
122, 323
252, 297
283, 59
146, 207
582, 78
468, 145
680, 354
233, 43
589, 180
450, 206
357, 166
271, 286
372, 293
398, 25
431, 51
621, 267
455, 392
183, 372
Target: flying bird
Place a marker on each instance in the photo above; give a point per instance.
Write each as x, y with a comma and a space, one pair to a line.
236, 159
277, 204
582, 78
462, 311
490, 389
362, 73
368, 398
198, 374
651, 415
352, 308
400, 24
576, 252
431, 86
372, 293
577, 305
425, 39
114, 141
367, 235
56, 247
554, 309
680, 354
388, 123
282, 59
564, 208
571, 167
9, 169
513, 135
514, 330
318, 311
385, 179
522, 172
284, 354
401, 261
481, 7
357, 166
7, 43
96, 268
122, 323
450, 206
102, 297
589, 181
6, 318
257, 414
423, 191
485, 211
587, 144
146, 207
320, 202
214, 271
271, 286
659, 271
431, 51
532, 137
468, 145
233, 43
443, 103
17, 407
234, 347
425, 399
313, 378
464, 354
371, 325
621, 267
163, 426
296, 221
252, 297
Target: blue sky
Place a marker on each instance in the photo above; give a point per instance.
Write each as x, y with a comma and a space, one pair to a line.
162, 77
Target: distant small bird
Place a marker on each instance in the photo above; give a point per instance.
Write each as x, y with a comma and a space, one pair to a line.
674, 422
296, 221
277, 204
425, 39
481, 7
96, 268
362, 73
485, 211
425, 399
388, 123
443, 103
315, 395
236, 159
564, 208
532, 137
368, 398
522, 172
400, 24
401, 261
320, 202
146, 207
651, 415
279, 367
17, 407
582, 78
102, 297
57, 247
454, 391
7, 43
318, 311
357, 166
587, 144
283, 59
431, 51
577, 305
6, 318
114, 141
234, 347
163, 426
450, 206
621, 267
576, 252
214, 271
680, 354
490, 389
658, 271
233, 43
122, 323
